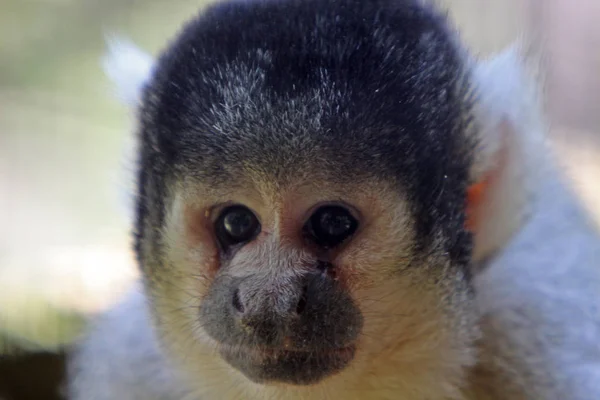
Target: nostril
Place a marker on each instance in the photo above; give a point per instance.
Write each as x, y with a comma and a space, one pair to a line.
303, 299
237, 301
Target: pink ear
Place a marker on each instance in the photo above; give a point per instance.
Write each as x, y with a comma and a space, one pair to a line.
475, 195
478, 194
511, 158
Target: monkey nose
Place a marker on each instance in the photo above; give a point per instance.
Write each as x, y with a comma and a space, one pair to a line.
268, 313
295, 303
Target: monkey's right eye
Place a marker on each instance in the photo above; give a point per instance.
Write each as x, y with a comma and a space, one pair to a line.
236, 224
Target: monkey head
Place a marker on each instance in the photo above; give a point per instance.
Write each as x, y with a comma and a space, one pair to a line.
303, 175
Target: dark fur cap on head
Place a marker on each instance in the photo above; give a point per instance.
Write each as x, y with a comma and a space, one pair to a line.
340, 90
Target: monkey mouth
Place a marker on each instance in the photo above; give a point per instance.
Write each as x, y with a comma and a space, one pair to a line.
290, 366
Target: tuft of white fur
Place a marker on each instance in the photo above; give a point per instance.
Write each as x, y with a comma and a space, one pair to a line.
512, 135
128, 67
507, 94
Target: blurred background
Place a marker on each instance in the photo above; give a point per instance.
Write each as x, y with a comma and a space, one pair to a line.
64, 216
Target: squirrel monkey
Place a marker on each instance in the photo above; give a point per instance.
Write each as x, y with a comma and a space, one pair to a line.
336, 200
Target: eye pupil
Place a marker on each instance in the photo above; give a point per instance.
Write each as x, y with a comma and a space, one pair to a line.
331, 225
335, 224
237, 224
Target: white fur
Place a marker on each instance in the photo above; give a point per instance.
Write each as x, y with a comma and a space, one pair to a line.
121, 358
128, 67
539, 296
512, 131
539, 291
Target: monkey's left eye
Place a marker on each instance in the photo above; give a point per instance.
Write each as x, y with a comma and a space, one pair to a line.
235, 225
331, 225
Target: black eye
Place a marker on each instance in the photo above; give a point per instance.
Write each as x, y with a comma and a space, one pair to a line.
330, 225
236, 224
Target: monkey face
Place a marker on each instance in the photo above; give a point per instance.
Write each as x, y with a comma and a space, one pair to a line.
272, 315
280, 304
303, 282
302, 198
